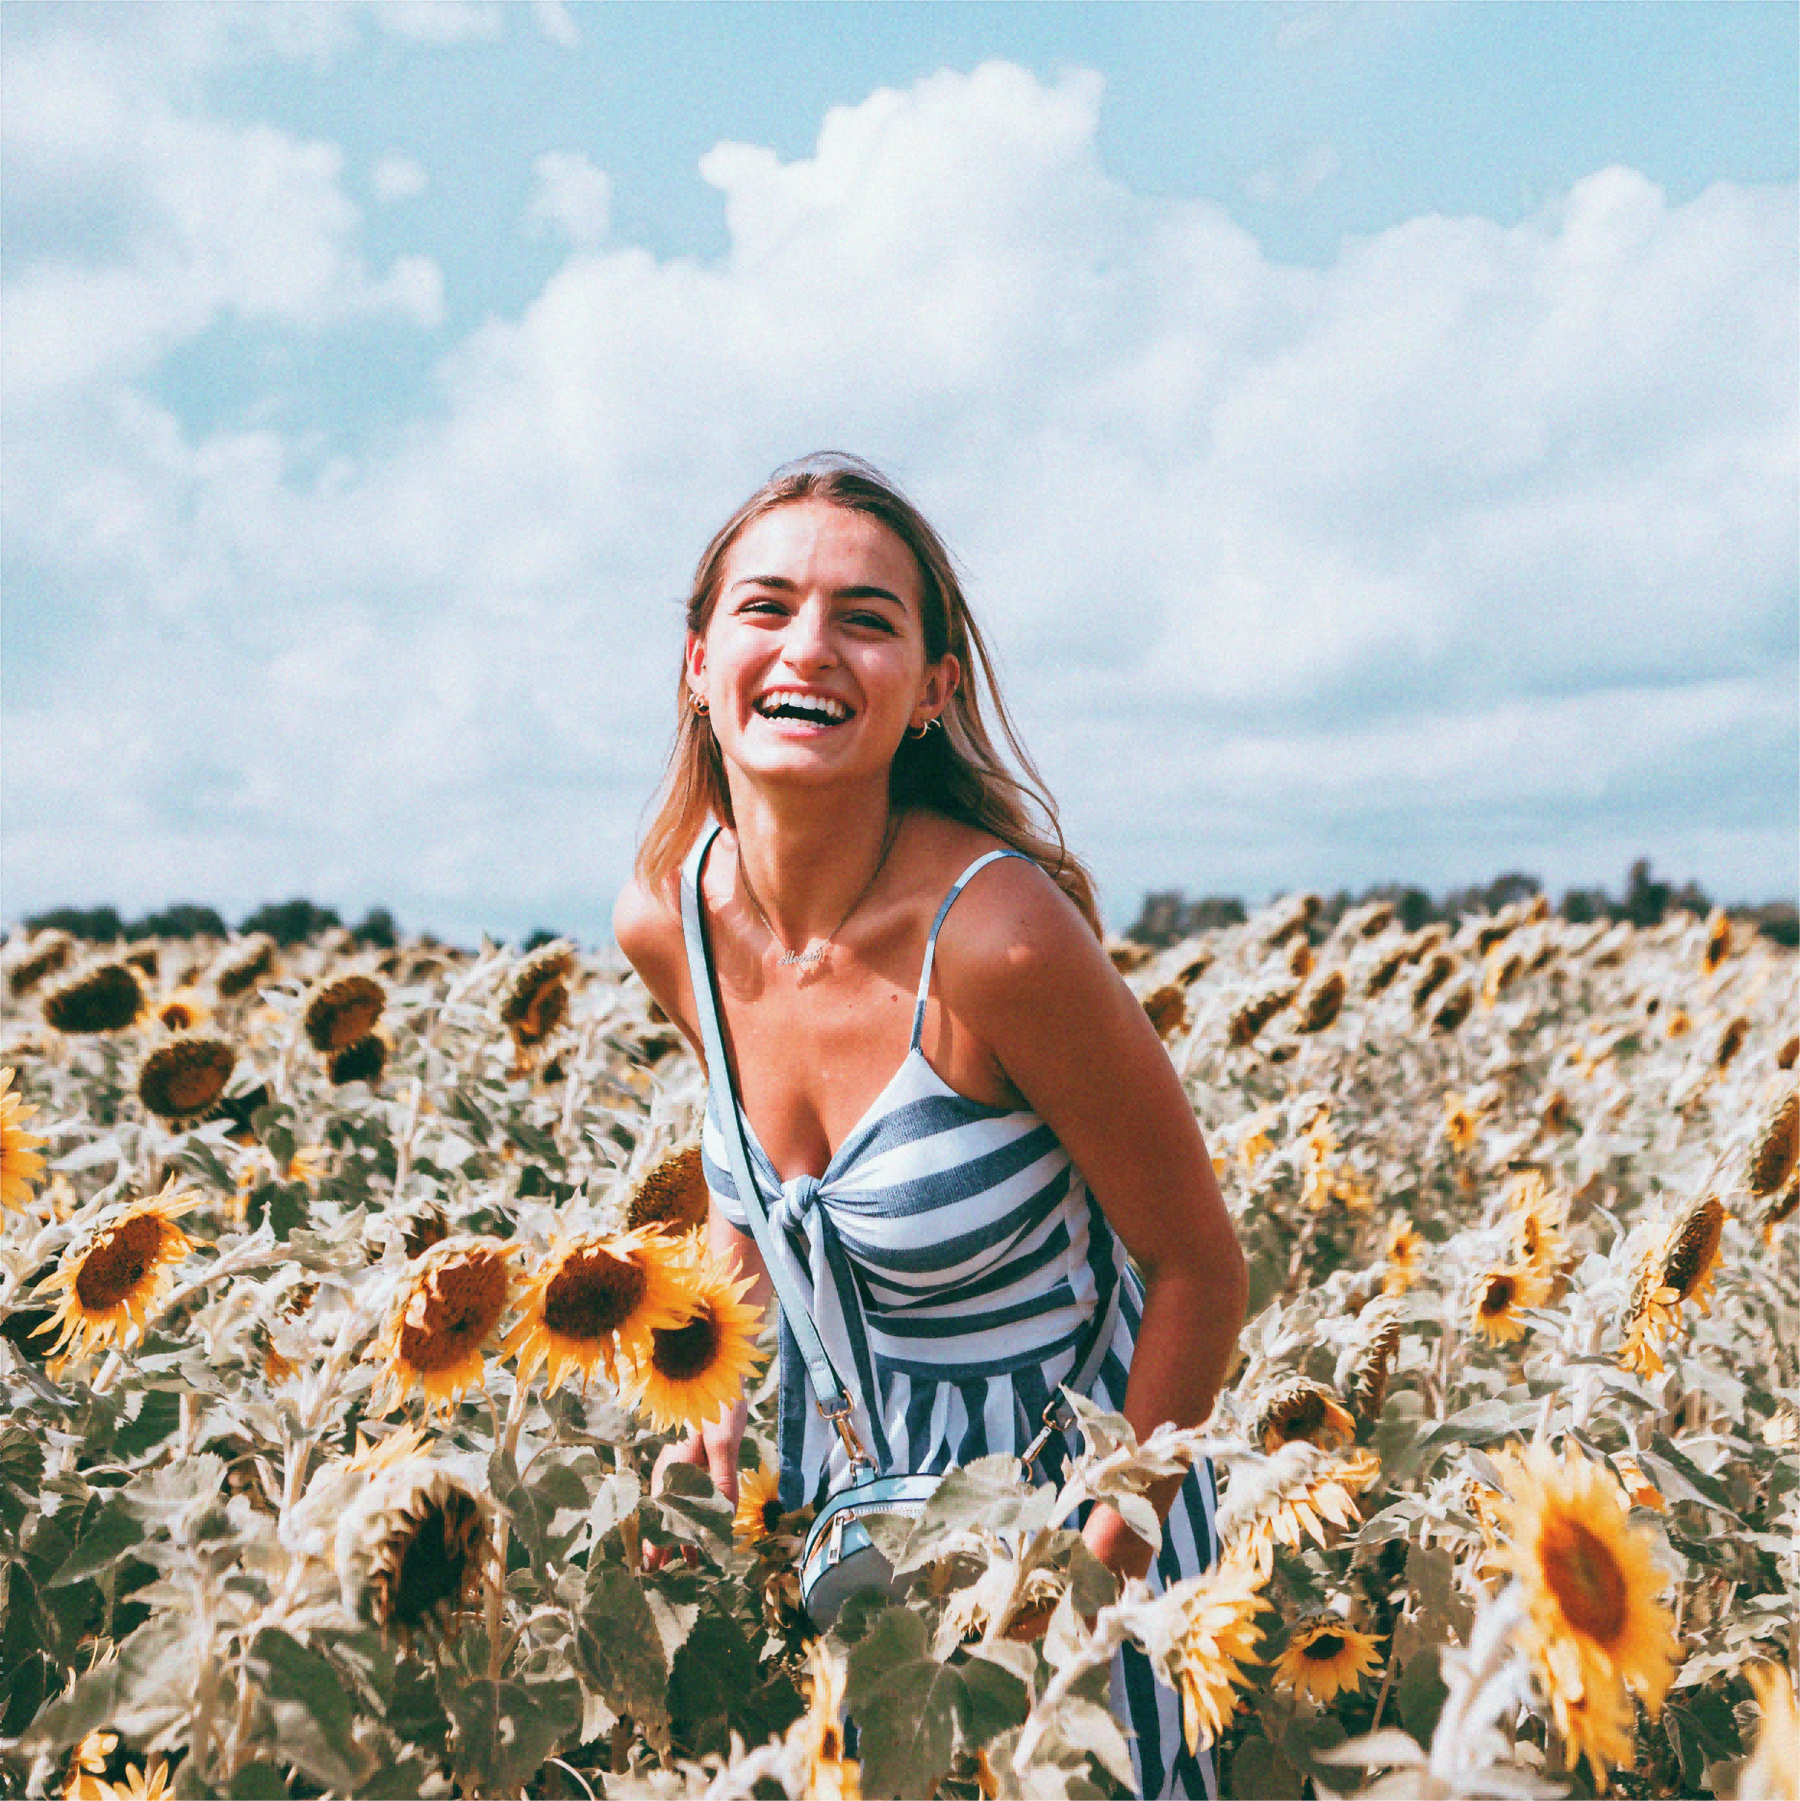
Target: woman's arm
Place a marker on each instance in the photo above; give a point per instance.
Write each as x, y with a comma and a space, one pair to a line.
1020, 970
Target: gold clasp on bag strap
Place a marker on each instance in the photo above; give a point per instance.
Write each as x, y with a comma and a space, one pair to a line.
1052, 1425
841, 1415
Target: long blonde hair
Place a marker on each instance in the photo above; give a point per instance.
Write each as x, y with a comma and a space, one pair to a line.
958, 770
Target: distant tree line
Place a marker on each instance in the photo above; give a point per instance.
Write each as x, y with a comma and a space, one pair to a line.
1169, 916
287, 922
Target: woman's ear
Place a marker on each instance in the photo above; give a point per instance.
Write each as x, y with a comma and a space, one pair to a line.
941, 681
693, 658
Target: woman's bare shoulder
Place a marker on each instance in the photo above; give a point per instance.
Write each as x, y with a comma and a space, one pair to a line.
1012, 927
647, 924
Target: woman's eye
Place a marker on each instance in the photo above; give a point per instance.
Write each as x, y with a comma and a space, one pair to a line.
879, 620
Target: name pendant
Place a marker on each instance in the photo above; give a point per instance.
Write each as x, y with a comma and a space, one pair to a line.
816, 954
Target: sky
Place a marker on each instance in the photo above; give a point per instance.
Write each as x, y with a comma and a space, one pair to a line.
1367, 432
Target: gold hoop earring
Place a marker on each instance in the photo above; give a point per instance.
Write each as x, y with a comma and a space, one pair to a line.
926, 727
697, 701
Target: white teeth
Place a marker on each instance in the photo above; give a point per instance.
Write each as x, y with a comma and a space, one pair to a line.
822, 704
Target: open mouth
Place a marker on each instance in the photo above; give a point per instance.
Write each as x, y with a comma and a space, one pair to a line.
796, 706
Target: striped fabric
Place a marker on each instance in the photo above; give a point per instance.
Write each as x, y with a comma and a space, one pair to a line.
959, 1270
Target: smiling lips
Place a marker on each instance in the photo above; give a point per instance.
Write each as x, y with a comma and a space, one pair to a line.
803, 706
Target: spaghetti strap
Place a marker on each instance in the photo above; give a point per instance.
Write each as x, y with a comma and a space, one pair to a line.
931, 937
706, 1004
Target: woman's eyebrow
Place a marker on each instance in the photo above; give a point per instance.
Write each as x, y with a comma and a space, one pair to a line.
864, 591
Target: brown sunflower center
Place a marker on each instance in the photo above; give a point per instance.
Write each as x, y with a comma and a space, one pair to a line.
457, 1307
1322, 1647
1585, 1578
1301, 1419
1499, 1295
771, 1514
433, 1562
118, 1262
683, 1352
593, 1293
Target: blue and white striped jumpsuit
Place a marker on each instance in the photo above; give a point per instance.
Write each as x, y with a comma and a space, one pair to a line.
959, 1268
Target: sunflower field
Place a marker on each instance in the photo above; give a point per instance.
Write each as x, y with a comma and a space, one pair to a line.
348, 1297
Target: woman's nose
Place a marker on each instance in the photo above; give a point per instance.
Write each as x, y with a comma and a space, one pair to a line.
807, 642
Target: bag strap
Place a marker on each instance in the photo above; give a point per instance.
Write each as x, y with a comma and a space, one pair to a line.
835, 1397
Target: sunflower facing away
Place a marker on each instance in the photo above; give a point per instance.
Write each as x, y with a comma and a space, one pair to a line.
1293, 1497
112, 1283
1500, 1297
443, 1320
596, 1296
1218, 1637
1595, 1628
1324, 1654
20, 1162
671, 1194
693, 1372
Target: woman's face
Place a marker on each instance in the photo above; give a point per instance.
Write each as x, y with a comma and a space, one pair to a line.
813, 663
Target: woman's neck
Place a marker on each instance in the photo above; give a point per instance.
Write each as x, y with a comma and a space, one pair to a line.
809, 855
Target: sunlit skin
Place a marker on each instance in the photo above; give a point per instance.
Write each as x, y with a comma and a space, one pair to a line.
1025, 1007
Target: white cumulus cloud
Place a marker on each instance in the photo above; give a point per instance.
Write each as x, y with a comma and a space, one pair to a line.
572, 197
398, 177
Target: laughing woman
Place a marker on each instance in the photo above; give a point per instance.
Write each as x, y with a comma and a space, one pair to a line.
959, 1119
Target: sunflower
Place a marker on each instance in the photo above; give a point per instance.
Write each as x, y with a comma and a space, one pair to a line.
1168, 1009
1439, 968
1454, 1008
1680, 1023
140, 1784
1304, 1409
443, 1320
1503, 969
1553, 1115
114, 1281
1218, 1636
54, 951
343, 1013
815, 1741
20, 1161
91, 1762
671, 1194
1731, 1041
1773, 1773
1292, 1497
412, 1550
1789, 1054
185, 1076
181, 1011
240, 973
1461, 1122
1389, 965
1691, 1258
537, 997
362, 1061
1367, 1387
373, 1455
1590, 1580
1536, 1222
595, 1296
1780, 1208
1403, 1252
1258, 1010
1638, 1489
758, 1515
693, 1372
1324, 1654
1500, 1294
1718, 940
1777, 1149
106, 998
1322, 1002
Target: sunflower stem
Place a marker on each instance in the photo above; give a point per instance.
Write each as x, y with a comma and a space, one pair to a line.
496, 1595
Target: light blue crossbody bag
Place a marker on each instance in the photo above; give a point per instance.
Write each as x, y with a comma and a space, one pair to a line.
840, 1557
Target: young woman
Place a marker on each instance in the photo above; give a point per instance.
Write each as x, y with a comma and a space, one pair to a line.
959, 1118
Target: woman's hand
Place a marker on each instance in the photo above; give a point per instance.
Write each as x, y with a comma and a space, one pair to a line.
1115, 1544
713, 1449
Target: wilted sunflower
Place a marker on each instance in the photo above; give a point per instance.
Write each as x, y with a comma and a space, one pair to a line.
443, 1321
671, 1194
1590, 1580
1303, 1409
1218, 1637
1777, 1147
1325, 1653
1292, 1497
693, 1372
20, 1162
1168, 1009
185, 1076
105, 998
1500, 1295
758, 1515
594, 1297
113, 1282
245, 966
412, 1551
1773, 1772
537, 997
343, 1013
362, 1061
815, 1741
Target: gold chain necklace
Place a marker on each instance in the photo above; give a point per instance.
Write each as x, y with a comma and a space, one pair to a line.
817, 952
